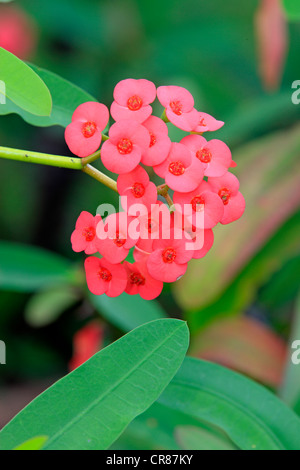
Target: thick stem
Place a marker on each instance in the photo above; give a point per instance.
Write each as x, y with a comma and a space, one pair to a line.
71, 163
97, 175
41, 158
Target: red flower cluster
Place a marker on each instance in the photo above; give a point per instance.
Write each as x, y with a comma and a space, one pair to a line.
164, 238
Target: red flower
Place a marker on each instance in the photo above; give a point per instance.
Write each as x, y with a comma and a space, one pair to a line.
105, 278
207, 123
215, 156
200, 201
169, 258
114, 237
18, 32
84, 237
83, 136
181, 171
87, 342
179, 104
160, 143
132, 100
123, 151
227, 187
140, 282
135, 188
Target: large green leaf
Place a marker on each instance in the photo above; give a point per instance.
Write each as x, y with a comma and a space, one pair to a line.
24, 268
66, 98
268, 171
292, 8
250, 415
127, 312
21, 85
90, 407
156, 429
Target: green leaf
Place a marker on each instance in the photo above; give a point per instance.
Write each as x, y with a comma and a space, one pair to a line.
193, 438
37, 443
24, 268
21, 85
66, 98
292, 8
91, 407
290, 389
127, 312
47, 305
277, 158
249, 414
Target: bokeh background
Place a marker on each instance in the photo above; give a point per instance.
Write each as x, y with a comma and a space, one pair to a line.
239, 61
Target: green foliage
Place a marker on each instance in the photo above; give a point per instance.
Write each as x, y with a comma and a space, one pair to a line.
192, 438
292, 8
37, 443
66, 98
253, 266
48, 304
250, 415
90, 407
23, 86
26, 268
127, 312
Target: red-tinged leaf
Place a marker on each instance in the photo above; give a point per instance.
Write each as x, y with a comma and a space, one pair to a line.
268, 172
245, 345
272, 42
87, 342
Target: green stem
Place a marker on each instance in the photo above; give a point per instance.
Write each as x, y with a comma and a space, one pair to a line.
101, 177
41, 158
71, 163
164, 117
169, 200
162, 190
91, 158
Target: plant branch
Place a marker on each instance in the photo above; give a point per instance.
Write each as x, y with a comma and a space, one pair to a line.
71, 163
41, 158
101, 177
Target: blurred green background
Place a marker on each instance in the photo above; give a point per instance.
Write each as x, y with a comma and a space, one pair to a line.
240, 301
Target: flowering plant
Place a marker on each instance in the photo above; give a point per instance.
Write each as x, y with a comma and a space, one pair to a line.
196, 170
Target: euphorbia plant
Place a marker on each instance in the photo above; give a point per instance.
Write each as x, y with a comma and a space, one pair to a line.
195, 170
92, 406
